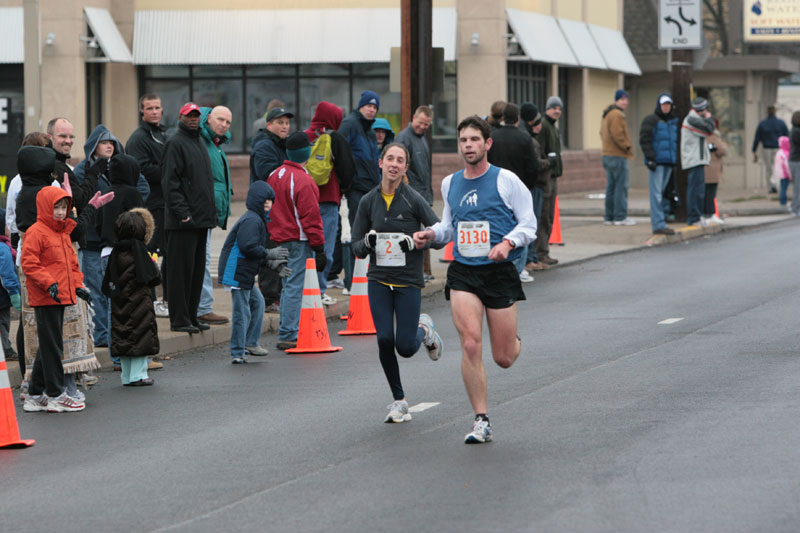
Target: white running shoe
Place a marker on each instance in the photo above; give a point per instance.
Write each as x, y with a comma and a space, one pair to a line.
398, 412
481, 432
525, 276
432, 340
34, 404
627, 222
162, 308
327, 300
335, 283
256, 350
64, 403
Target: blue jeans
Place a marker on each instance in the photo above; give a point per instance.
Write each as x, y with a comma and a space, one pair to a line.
330, 225
207, 295
617, 182
292, 293
248, 316
93, 272
348, 262
695, 193
658, 181
784, 187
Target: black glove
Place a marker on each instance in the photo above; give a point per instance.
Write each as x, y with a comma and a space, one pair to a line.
320, 258
712, 147
277, 253
279, 266
407, 244
83, 294
552, 157
53, 290
99, 167
652, 165
371, 239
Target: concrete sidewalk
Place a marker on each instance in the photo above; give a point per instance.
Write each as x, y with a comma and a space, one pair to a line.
584, 236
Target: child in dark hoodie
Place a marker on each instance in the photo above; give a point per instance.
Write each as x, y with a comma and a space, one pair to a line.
242, 254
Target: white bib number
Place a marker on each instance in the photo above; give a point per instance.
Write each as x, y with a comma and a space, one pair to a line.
473, 238
388, 252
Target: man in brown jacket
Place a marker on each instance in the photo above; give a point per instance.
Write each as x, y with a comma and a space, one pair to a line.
617, 149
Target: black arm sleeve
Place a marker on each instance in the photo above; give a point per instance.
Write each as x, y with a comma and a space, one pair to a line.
343, 162
646, 137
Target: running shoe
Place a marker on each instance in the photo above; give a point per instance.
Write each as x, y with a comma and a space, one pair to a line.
327, 300
239, 360
398, 412
161, 308
626, 222
64, 403
481, 432
33, 404
335, 283
256, 350
525, 277
432, 340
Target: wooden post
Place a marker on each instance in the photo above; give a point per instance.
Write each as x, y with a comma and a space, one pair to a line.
406, 46
682, 103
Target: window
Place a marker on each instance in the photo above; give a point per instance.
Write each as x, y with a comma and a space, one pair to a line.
527, 82
227, 92
727, 106
94, 95
258, 93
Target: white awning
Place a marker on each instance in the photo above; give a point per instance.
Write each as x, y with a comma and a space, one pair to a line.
363, 35
582, 44
12, 38
540, 37
615, 50
108, 36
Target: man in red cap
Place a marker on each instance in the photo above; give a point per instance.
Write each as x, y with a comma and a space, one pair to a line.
189, 212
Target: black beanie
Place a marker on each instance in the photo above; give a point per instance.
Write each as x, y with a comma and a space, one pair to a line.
528, 111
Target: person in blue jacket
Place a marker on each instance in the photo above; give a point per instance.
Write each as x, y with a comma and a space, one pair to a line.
242, 254
384, 133
9, 292
658, 138
767, 134
357, 129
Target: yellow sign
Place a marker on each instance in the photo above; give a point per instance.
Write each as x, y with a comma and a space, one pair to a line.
771, 20
3, 180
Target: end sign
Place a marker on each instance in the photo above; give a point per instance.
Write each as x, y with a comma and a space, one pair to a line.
680, 24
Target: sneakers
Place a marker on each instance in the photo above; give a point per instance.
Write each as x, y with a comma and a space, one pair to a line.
398, 412
608, 222
549, 261
256, 350
162, 310
154, 365
432, 340
536, 266
627, 222
705, 222
239, 360
525, 277
327, 300
285, 345
213, 318
335, 283
33, 404
716, 220
481, 432
64, 403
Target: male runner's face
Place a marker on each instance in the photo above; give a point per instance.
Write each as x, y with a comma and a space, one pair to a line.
472, 145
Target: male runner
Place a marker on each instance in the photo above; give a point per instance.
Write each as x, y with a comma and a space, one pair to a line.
490, 212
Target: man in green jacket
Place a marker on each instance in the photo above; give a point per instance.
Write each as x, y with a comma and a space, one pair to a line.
550, 141
214, 131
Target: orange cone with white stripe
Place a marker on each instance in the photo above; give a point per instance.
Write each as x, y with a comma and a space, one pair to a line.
9, 430
555, 234
359, 315
312, 336
448, 254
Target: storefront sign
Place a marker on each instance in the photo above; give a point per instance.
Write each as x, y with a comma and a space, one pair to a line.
5, 105
771, 20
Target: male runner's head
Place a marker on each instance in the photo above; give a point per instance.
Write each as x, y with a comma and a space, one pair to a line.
474, 139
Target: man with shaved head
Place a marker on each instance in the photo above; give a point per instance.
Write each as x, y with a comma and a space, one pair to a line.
214, 131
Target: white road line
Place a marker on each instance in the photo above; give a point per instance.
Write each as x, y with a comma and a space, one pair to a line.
671, 320
422, 406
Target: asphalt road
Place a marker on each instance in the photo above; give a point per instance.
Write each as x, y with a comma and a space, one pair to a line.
609, 421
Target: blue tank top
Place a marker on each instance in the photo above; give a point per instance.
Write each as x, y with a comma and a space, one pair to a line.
478, 199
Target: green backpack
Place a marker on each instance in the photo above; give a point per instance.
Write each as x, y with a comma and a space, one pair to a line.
320, 164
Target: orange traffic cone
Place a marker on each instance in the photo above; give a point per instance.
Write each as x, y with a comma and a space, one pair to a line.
555, 234
312, 336
9, 431
359, 315
716, 208
448, 254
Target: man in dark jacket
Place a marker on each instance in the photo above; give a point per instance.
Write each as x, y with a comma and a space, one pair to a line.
658, 138
189, 211
550, 139
512, 149
269, 145
357, 129
531, 122
767, 134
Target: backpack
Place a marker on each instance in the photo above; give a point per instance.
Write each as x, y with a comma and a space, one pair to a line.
320, 164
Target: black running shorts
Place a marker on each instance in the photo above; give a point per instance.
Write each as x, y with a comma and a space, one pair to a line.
497, 284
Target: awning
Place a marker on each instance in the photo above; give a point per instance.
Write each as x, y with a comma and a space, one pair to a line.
12, 38
363, 35
108, 36
615, 50
540, 37
582, 44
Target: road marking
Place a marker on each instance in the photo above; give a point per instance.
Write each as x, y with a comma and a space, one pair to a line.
422, 406
670, 320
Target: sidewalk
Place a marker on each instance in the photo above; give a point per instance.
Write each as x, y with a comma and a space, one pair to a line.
584, 235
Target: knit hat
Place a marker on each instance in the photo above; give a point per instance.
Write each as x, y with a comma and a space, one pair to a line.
554, 101
621, 93
369, 97
528, 111
298, 149
699, 104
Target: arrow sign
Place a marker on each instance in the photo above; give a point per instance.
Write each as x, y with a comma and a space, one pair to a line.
678, 24
691, 22
670, 19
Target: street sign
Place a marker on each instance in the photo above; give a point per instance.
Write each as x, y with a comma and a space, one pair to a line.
680, 24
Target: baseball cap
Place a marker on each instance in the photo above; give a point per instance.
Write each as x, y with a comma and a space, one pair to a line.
188, 107
665, 99
277, 112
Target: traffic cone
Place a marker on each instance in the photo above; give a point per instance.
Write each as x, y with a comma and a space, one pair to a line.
555, 234
359, 315
448, 254
312, 336
716, 208
9, 430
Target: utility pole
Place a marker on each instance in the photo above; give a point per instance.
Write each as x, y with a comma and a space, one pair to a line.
681, 103
416, 56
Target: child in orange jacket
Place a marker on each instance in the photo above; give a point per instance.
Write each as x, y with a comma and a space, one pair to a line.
54, 279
